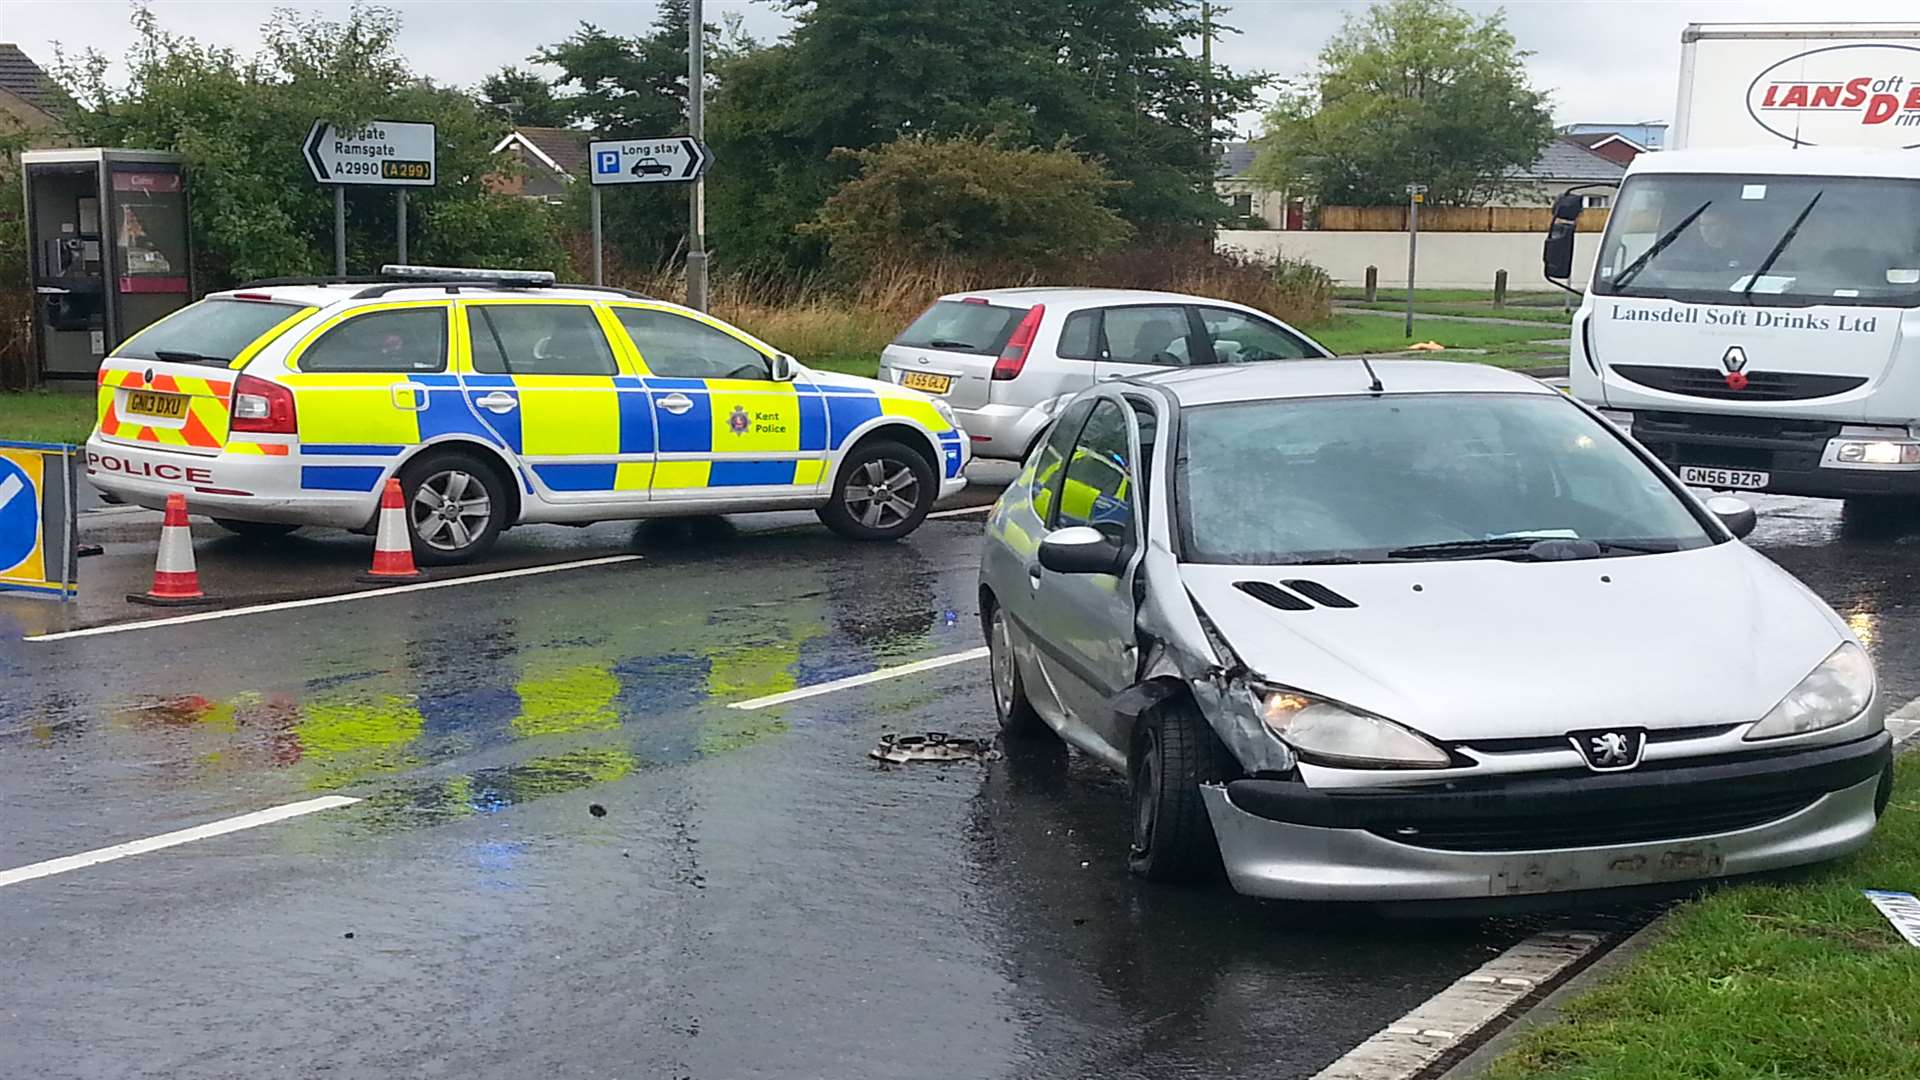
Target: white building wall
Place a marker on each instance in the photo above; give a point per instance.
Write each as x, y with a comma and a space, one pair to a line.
1447, 260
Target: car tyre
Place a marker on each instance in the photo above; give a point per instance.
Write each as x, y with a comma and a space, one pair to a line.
465, 532
1018, 720
1175, 751
256, 530
882, 492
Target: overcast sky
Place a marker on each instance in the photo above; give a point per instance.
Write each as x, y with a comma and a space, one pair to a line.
1601, 60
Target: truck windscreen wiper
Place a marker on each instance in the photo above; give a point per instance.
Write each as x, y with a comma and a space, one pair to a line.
1633, 268
1778, 247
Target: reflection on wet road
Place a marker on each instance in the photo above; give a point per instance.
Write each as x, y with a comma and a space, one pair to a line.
759, 898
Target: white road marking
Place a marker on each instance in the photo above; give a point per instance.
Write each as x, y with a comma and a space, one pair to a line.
341, 598
173, 839
861, 680
1408, 1045
10, 487
962, 510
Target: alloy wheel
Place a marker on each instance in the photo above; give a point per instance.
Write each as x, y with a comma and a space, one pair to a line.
882, 494
450, 509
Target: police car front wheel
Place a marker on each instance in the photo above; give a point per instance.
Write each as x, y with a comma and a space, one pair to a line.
883, 492
455, 507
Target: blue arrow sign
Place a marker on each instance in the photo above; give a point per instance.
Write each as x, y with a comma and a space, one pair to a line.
19, 515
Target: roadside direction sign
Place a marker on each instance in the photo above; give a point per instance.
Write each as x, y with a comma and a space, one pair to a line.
648, 161
387, 153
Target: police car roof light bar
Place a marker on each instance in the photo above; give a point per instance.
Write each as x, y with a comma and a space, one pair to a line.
438, 275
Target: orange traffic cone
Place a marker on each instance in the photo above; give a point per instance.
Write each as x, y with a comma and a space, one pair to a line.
392, 544
175, 581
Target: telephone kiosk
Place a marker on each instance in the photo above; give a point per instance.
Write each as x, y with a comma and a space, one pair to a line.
108, 241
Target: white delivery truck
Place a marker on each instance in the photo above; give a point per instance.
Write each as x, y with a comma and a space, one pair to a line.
1754, 308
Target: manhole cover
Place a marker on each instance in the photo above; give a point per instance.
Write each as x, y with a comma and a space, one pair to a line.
933, 746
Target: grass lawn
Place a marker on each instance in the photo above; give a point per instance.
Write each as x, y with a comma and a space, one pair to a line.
1370, 333
1483, 311
46, 416
867, 365
1515, 297
1800, 979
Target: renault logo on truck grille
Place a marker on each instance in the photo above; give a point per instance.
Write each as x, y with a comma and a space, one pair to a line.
1610, 751
1735, 361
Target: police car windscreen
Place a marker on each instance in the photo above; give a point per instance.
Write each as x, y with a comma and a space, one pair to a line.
963, 326
209, 332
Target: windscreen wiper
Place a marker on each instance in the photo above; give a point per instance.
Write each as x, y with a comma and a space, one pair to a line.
181, 356
1785, 239
1660, 245
944, 343
1467, 549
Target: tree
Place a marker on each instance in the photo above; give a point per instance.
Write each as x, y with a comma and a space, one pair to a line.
971, 201
1413, 91
240, 123
1112, 76
524, 99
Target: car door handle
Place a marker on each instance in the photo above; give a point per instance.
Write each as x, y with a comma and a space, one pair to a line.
498, 402
676, 403
1033, 575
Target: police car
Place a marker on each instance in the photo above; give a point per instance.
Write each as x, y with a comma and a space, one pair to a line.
499, 398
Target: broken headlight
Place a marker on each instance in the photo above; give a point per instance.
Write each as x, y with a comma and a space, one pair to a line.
1832, 694
1326, 733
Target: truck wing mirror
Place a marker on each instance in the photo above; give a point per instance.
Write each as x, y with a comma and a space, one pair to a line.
1557, 257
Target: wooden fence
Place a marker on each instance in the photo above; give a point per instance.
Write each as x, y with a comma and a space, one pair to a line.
1522, 219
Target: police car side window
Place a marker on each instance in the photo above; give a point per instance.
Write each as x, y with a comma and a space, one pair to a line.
538, 339
1051, 457
675, 346
413, 339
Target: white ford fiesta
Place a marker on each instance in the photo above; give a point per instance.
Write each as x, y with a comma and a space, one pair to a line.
1438, 632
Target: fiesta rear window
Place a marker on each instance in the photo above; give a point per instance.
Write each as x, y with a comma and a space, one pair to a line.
209, 332
963, 327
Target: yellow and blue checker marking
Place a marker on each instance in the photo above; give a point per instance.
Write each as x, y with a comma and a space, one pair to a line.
559, 416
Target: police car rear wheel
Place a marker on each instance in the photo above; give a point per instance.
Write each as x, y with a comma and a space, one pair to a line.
454, 508
256, 530
884, 492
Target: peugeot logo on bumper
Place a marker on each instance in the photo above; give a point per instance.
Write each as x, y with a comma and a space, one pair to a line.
1610, 751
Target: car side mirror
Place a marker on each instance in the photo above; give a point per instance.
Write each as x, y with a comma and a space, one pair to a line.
1735, 514
780, 367
1081, 549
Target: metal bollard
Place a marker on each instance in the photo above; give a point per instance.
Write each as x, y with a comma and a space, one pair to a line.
1373, 284
1500, 288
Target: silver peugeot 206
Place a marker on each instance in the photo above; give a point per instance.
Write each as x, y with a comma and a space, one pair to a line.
1427, 631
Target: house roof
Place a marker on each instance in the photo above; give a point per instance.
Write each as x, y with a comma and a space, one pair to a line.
1594, 140
564, 150
1236, 159
1565, 159
20, 76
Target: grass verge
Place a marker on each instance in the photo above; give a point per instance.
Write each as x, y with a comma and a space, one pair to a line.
1370, 333
1470, 311
46, 416
1796, 979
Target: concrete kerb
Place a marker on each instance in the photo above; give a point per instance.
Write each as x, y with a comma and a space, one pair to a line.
1905, 727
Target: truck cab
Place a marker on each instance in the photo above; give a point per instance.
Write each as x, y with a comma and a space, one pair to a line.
1754, 317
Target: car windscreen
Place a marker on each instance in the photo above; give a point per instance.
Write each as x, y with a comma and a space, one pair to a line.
1368, 479
1764, 240
964, 326
209, 332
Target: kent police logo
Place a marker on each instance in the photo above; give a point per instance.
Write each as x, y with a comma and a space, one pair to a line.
739, 422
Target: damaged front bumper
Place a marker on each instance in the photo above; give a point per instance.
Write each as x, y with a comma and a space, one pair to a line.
1526, 836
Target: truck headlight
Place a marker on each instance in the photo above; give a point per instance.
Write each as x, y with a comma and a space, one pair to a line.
1326, 733
1834, 693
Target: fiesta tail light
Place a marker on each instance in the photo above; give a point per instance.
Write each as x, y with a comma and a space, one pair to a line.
262, 407
1013, 358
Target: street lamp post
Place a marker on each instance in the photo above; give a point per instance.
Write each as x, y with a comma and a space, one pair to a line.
1416, 194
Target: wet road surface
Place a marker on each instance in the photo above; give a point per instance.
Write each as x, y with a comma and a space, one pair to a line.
758, 899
